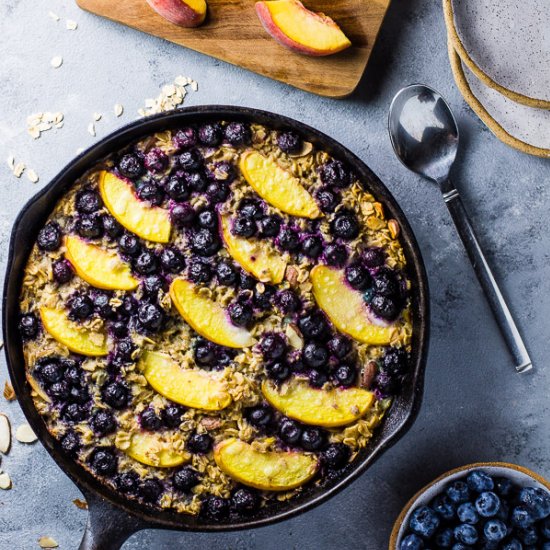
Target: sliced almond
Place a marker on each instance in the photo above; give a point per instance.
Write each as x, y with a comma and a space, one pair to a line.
119, 109
307, 147
38, 388
56, 62
5, 434
5, 481
32, 175
71, 25
47, 542
24, 434
294, 336
9, 393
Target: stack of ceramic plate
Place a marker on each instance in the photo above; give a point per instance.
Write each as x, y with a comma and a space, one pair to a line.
500, 57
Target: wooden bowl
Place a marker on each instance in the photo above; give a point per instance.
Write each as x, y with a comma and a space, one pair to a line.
518, 474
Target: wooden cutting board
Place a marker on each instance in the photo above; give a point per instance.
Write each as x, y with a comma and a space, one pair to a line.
233, 33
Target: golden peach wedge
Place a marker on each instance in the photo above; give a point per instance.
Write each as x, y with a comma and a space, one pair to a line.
77, 338
155, 449
327, 408
345, 307
184, 13
207, 317
99, 267
277, 186
291, 24
271, 471
197, 389
252, 256
148, 222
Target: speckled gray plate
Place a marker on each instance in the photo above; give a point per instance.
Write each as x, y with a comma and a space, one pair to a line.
506, 44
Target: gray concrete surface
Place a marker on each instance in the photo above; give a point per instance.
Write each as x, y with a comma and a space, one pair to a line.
475, 407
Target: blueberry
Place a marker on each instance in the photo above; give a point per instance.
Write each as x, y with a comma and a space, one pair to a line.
273, 346
102, 306
81, 307
62, 271
385, 283
237, 133
288, 301
458, 492
317, 378
151, 193
28, 326
374, 257
444, 538
328, 200
313, 325
263, 300
335, 254
503, 486
224, 172
49, 237
152, 284
290, 431
251, 208
289, 142
205, 243
129, 244
177, 188
487, 504
466, 534
88, 201
345, 375
171, 416
313, 439
288, 239
146, 263
112, 229
528, 535
312, 246
243, 226
358, 277
411, 542
467, 513
171, 260
150, 420
89, 226
339, 346
315, 355
278, 371
130, 166
59, 391
211, 134
385, 307
190, 161
240, 314
150, 490
127, 483
199, 443
199, 272
385, 383
116, 395
336, 456
182, 215
270, 226
217, 192
156, 160
537, 500
184, 138
79, 395
545, 528
345, 225
424, 522
70, 443
197, 181
494, 530
215, 507
521, 517
514, 544
150, 316
128, 306
226, 273
103, 423
335, 173
73, 373
244, 501
444, 506
103, 461
74, 412
185, 479
395, 361
246, 281
260, 416
479, 481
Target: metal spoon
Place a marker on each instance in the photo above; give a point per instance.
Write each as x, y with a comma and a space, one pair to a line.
424, 135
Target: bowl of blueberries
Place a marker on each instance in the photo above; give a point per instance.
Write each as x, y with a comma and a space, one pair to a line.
489, 505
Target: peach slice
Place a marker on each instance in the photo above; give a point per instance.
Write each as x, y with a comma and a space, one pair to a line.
148, 222
99, 267
291, 24
271, 471
77, 338
185, 13
345, 307
277, 186
197, 389
253, 256
155, 449
207, 317
327, 408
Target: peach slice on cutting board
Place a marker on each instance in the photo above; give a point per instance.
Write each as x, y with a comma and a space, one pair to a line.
77, 338
197, 389
345, 307
148, 222
327, 408
99, 267
253, 256
277, 186
270, 471
207, 317
155, 449
184, 13
291, 24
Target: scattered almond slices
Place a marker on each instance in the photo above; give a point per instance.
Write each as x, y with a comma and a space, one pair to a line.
56, 62
71, 25
25, 434
97, 116
5, 481
91, 129
171, 96
118, 109
9, 393
42, 122
47, 542
53, 16
32, 176
5, 434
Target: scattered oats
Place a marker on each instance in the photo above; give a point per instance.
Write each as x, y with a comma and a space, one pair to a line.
79, 150
18, 169
71, 25
5, 481
170, 97
119, 109
5, 434
81, 504
34, 132
58, 117
56, 62
53, 15
91, 128
59, 125
42, 122
24, 434
97, 116
9, 393
194, 85
11, 162
32, 175
47, 542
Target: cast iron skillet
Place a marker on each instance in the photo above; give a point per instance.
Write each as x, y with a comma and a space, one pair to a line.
112, 519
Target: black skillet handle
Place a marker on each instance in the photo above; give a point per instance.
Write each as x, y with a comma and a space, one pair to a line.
107, 527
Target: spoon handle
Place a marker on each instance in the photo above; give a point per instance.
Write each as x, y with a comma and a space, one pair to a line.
486, 278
